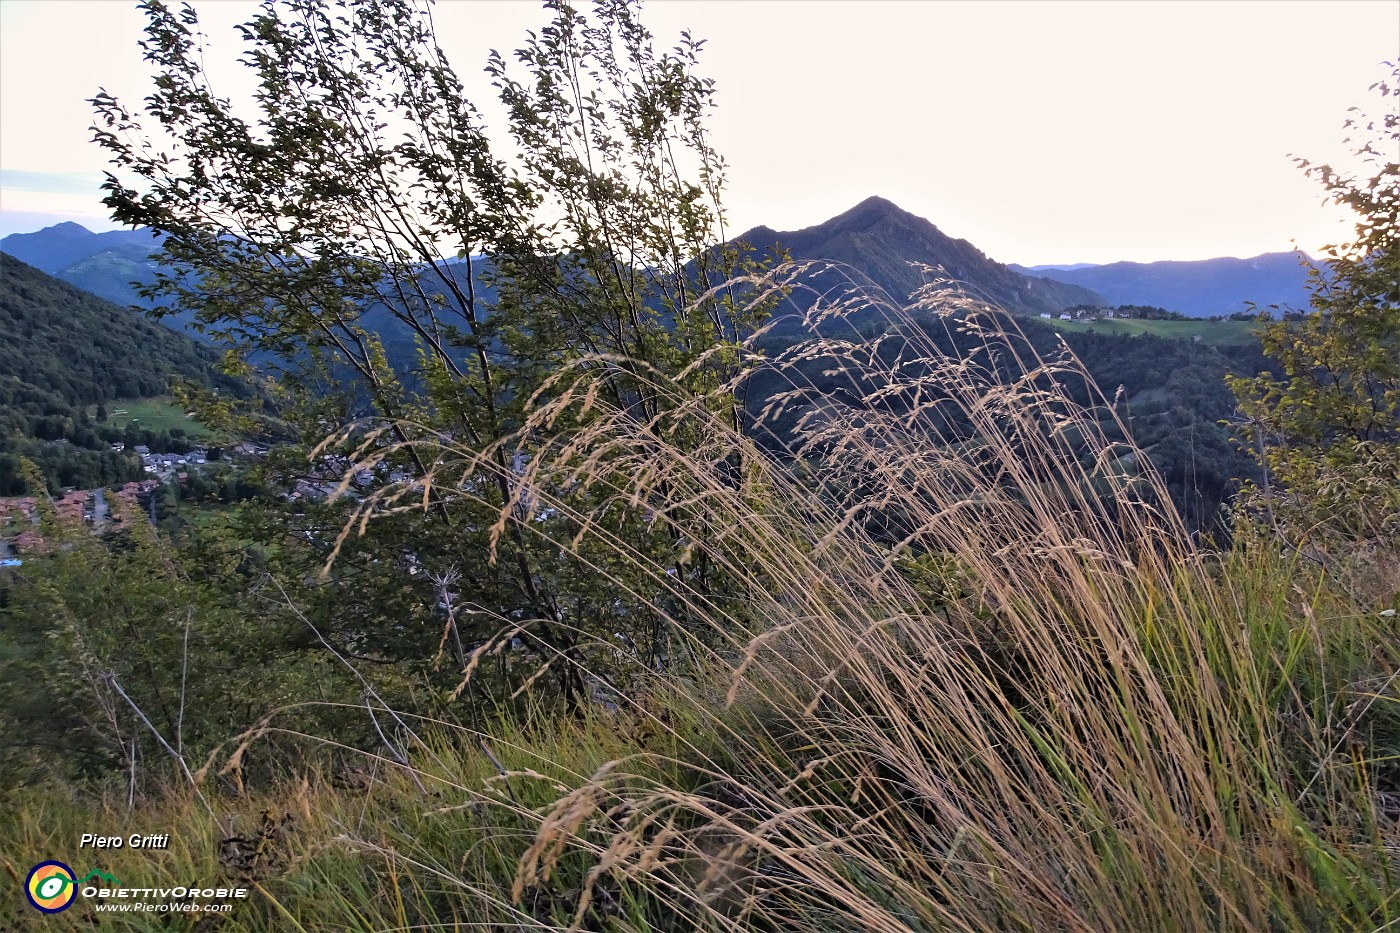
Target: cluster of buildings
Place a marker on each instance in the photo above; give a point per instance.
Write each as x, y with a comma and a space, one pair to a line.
74, 505
1086, 316
163, 465
17, 534
131, 492
325, 478
19, 516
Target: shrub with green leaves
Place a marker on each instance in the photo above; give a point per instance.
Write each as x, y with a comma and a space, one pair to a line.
1328, 432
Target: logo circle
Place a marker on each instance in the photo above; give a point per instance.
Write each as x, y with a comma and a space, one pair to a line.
50, 887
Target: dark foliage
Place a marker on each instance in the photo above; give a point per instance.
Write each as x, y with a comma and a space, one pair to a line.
1171, 393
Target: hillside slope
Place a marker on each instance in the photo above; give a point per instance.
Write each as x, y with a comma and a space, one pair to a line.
112, 265
66, 350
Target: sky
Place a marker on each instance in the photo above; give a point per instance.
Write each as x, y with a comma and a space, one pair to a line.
1043, 131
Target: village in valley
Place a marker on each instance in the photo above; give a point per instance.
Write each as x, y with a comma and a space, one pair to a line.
20, 516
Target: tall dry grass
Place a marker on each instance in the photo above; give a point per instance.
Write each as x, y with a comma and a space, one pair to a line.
979, 676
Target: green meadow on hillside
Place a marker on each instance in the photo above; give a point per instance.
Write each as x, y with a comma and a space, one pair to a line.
1218, 333
159, 414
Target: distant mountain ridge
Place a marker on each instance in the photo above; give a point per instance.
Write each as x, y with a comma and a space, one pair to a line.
104, 264
1034, 270
1200, 288
113, 265
876, 238
883, 242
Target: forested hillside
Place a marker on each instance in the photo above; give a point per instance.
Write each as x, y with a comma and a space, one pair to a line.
1169, 393
66, 351
1178, 410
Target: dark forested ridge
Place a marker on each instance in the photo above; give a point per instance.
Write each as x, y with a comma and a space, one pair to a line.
116, 264
66, 350
875, 237
1176, 404
1170, 393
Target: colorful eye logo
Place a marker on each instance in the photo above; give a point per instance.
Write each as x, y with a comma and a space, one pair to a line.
50, 887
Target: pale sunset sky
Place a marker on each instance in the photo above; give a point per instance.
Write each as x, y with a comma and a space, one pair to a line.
1043, 132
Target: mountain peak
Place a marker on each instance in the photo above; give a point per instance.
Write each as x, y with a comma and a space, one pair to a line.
877, 203
68, 228
760, 236
55, 249
65, 232
871, 211
888, 245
